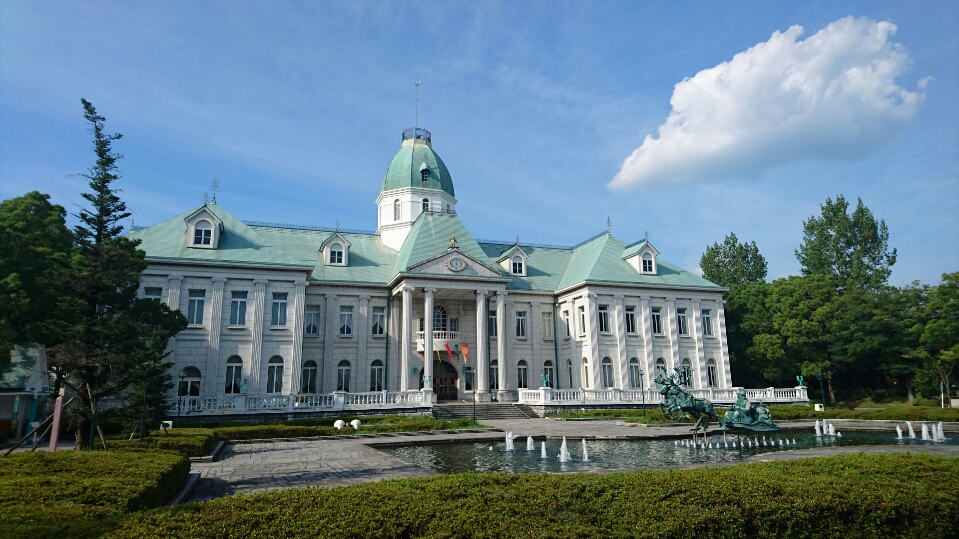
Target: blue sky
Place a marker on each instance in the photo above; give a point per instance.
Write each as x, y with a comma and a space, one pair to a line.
297, 109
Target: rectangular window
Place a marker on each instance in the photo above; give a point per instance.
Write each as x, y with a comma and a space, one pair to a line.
274, 378
233, 373
547, 325
657, 317
681, 322
630, 319
346, 320
152, 292
194, 315
279, 310
582, 320
454, 324
707, 323
422, 324
521, 324
566, 321
311, 322
238, 308
492, 323
603, 318
379, 320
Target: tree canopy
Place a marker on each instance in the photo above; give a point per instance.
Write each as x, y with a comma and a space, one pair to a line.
733, 262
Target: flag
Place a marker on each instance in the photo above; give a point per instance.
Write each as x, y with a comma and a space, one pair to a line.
465, 350
449, 351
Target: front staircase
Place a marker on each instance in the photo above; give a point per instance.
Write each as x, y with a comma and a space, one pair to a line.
484, 410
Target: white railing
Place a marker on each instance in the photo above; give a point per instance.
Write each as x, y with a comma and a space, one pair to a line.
439, 336
570, 397
246, 404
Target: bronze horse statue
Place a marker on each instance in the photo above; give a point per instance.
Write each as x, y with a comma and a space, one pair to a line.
677, 402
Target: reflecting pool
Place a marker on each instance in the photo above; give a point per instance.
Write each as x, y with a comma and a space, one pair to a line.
623, 454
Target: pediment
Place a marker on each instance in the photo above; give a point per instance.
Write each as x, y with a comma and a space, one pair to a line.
454, 262
204, 213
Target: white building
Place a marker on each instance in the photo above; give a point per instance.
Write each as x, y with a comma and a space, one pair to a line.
291, 318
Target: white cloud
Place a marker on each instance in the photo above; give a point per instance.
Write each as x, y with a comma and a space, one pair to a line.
832, 95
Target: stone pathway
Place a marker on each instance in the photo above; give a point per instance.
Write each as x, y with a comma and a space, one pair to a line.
272, 465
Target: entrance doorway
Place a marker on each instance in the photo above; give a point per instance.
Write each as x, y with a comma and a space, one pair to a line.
444, 381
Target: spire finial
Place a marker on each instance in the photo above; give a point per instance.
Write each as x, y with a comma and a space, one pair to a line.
337, 225
646, 236
416, 122
609, 224
214, 187
517, 239
206, 197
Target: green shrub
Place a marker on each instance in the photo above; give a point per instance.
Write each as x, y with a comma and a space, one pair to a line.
284, 430
192, 442
892, 413
844, 496
83, 493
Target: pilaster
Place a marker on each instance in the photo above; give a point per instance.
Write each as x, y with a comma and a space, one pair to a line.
481, 382
296, 362
213, 348
647, 331
619, 331
699, 361
673, 333
726, 377
592, 333
407, 346
362, 335
502, 394
331, 335
259, 300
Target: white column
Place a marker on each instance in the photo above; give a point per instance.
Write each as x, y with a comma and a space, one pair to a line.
482, 360
502, 394
592, 333
173, 302
673, 333
428, 353
296, 362
619, 330
699, 362
645, 318
259, 300
213, 346
329, 364
723, 365
362, 334
407, 347
535, 328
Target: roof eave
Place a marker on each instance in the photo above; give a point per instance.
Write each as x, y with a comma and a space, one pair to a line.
641, 285
228, 263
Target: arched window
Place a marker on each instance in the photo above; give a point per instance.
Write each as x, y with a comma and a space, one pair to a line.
585, 373
711, 376
376, 375
343, 376
687, 369
426, 205
189, 382
661, 369
493, 375
647, 263
549, 373
425, 174
522, 375
517, 265
234, 373
309, 377
634, 373
336, 253
202, 233
607, 372
396, 210
439, 318
274, 375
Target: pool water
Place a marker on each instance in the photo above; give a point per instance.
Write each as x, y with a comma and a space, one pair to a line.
605, 455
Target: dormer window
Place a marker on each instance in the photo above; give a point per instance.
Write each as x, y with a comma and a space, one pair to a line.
425, 174
647, 263
203, 233
642, 257
517, 265
336, 254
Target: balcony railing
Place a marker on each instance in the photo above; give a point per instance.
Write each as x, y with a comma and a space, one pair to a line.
572, 397
449, 336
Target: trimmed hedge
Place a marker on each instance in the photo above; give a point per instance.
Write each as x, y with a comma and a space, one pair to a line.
191, 446
83, 493
847, 496
283, 430
893, 413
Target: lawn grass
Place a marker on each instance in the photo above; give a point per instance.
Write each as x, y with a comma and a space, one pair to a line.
70, 494
848, 496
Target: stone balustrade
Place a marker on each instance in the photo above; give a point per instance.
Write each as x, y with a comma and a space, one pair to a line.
612, 396
337, 401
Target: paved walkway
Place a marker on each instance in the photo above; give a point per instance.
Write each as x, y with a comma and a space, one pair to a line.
264, 466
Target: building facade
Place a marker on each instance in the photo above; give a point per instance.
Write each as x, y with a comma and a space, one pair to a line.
289, 318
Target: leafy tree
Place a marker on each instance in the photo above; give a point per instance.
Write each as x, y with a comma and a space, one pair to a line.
733, 263
107, 331
907, 308
939, 339
35, 243
852, 248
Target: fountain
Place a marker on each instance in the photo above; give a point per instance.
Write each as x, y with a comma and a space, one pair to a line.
832, 429
942, 435
794, 441
818, 432
542, 451
530, 445
925, 432
564, 452
585, 453
509, 441
912, 433
898, 432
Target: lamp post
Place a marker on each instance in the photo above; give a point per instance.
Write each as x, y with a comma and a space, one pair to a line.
179, 397
822, 390
642, 388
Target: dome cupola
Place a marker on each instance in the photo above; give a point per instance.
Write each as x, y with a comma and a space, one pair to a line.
416, 165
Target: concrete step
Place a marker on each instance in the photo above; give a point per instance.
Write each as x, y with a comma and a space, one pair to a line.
483, 411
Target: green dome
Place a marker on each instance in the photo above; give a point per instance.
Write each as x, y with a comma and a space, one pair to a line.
415, 155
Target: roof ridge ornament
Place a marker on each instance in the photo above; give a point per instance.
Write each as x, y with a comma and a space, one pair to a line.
453, 242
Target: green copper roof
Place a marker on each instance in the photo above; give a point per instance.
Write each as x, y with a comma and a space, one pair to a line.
404, 170
430, 236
